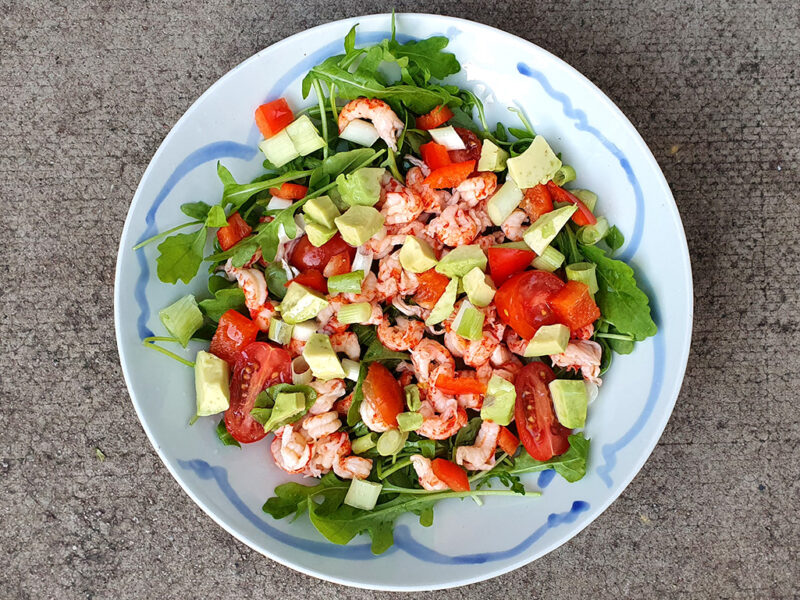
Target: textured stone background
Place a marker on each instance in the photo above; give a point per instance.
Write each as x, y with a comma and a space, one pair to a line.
87, 92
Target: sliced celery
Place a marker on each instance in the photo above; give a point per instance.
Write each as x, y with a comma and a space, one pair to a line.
409, 421
591, 234
280, 331
413, 400
549, 260
391, 442
584, 272
354, 313
564, 175
364, 443
347, 283
363, 494
182, 319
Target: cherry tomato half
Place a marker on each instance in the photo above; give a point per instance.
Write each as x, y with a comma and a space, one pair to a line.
306, 256
539, 430
522, 301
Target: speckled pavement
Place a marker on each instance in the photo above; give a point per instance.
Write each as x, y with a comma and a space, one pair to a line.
87, 92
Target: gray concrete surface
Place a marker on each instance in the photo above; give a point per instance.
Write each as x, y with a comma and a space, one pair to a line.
87, 92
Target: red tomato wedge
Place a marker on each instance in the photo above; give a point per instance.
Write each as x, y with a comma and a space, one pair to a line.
431, 287
505, 262
574, 305
537, 202
539, 430
435, 155
258, 366
234, 332
450, 473
507, 441
273, 116
311, 279
306, 255
584, 216
449, 176
472, 151
460, 385
234, 232
438, 116
289, 191
383, 391
523, 301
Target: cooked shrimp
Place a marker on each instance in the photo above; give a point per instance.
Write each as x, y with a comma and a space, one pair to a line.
342, 407
476, 188
455, 343
480, 456
514, 226
584, 333
401, 204
427, 479
433, 200
441, 417
291, 450
393, 279
417, 162
454, 227
328, 392
478, 352
429, 355
353, 467
382, 116
584, 355
410, 310
346, 342
295, 347
254, 287
403, 336
328, 323
489, 240
316, 426
327, 450
371, 417
515, 343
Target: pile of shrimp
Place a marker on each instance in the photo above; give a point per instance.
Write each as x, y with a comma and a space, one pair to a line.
445, 219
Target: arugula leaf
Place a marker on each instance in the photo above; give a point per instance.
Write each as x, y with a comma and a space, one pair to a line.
622, 303
378, 352
350, 39
339, 163
262, 408
500, 133
181, 255
217, 282
425, 58
225, 437
276, 280
571, 465
196, 210
614, 239
467, 434
520, 134
353, 414
216, 217
292, 498
224, 299
366, 334
237, 194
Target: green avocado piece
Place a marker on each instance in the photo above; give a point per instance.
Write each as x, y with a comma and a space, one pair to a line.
461, 261
287, 406
362, 187
444, 305
318, 233
301, 303
538, 164
570, 399
539, 235
416, 255
504, 202
548, 339
498, 403
358, 224
212, 384
321, 210
479, 287
321, 358
493, 158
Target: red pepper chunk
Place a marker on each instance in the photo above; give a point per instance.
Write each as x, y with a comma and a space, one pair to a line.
234, 232
574, 306
435, 155
449, 176
273, 116
438, 116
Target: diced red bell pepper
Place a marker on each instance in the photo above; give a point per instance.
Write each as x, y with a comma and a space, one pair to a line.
460, 385
289, 191
435, 155
584, 216
574, 306
537, 202
234, 332
431, 287
273, 116
312, 279
505, 262
339, 264
234, 232
507, 441
450, 473
450, 176
438, 116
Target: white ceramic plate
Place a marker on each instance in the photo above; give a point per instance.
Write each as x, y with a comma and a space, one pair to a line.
466, 543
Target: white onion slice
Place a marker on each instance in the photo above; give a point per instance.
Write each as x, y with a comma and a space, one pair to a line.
303, 331
447, 137
360, 132
362, 261
276, 203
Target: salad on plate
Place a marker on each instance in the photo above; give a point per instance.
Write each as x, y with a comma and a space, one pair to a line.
408, 305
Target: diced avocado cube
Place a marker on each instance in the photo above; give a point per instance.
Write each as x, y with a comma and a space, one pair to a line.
416, 255
301, 303
362, 187
212, 384
536, 165
279, 149
321, 210
363, 494
504, 202
498, 403
539, 235
493, 158
304, 135
570, 400
409, 421
321, 358
318, 233
461, 260
287, 407
358, 224
479, 287
444, 305
587, 197
548, 339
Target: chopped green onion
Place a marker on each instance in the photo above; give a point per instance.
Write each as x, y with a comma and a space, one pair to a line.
391, 442
409, 421
564, 175
354, 313
549, 260
362, 494
469, 322
182, 319
413, 400
587, 197
348, 283
303, 331
351, 369
364, 443
301, 372
584, 272
589, 235
280, 331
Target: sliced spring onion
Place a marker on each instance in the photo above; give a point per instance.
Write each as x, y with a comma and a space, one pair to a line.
363, 494
280, 331
276, 203
549, 260
182, 319
303, 331
564, 175
364, 443
409, 421
363, 261
347, 283
447, 137
391, 442
301, 372
360, 132
591, 234
584, 272
413, 400
587, 197
354, 313
469, 321
351, 369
